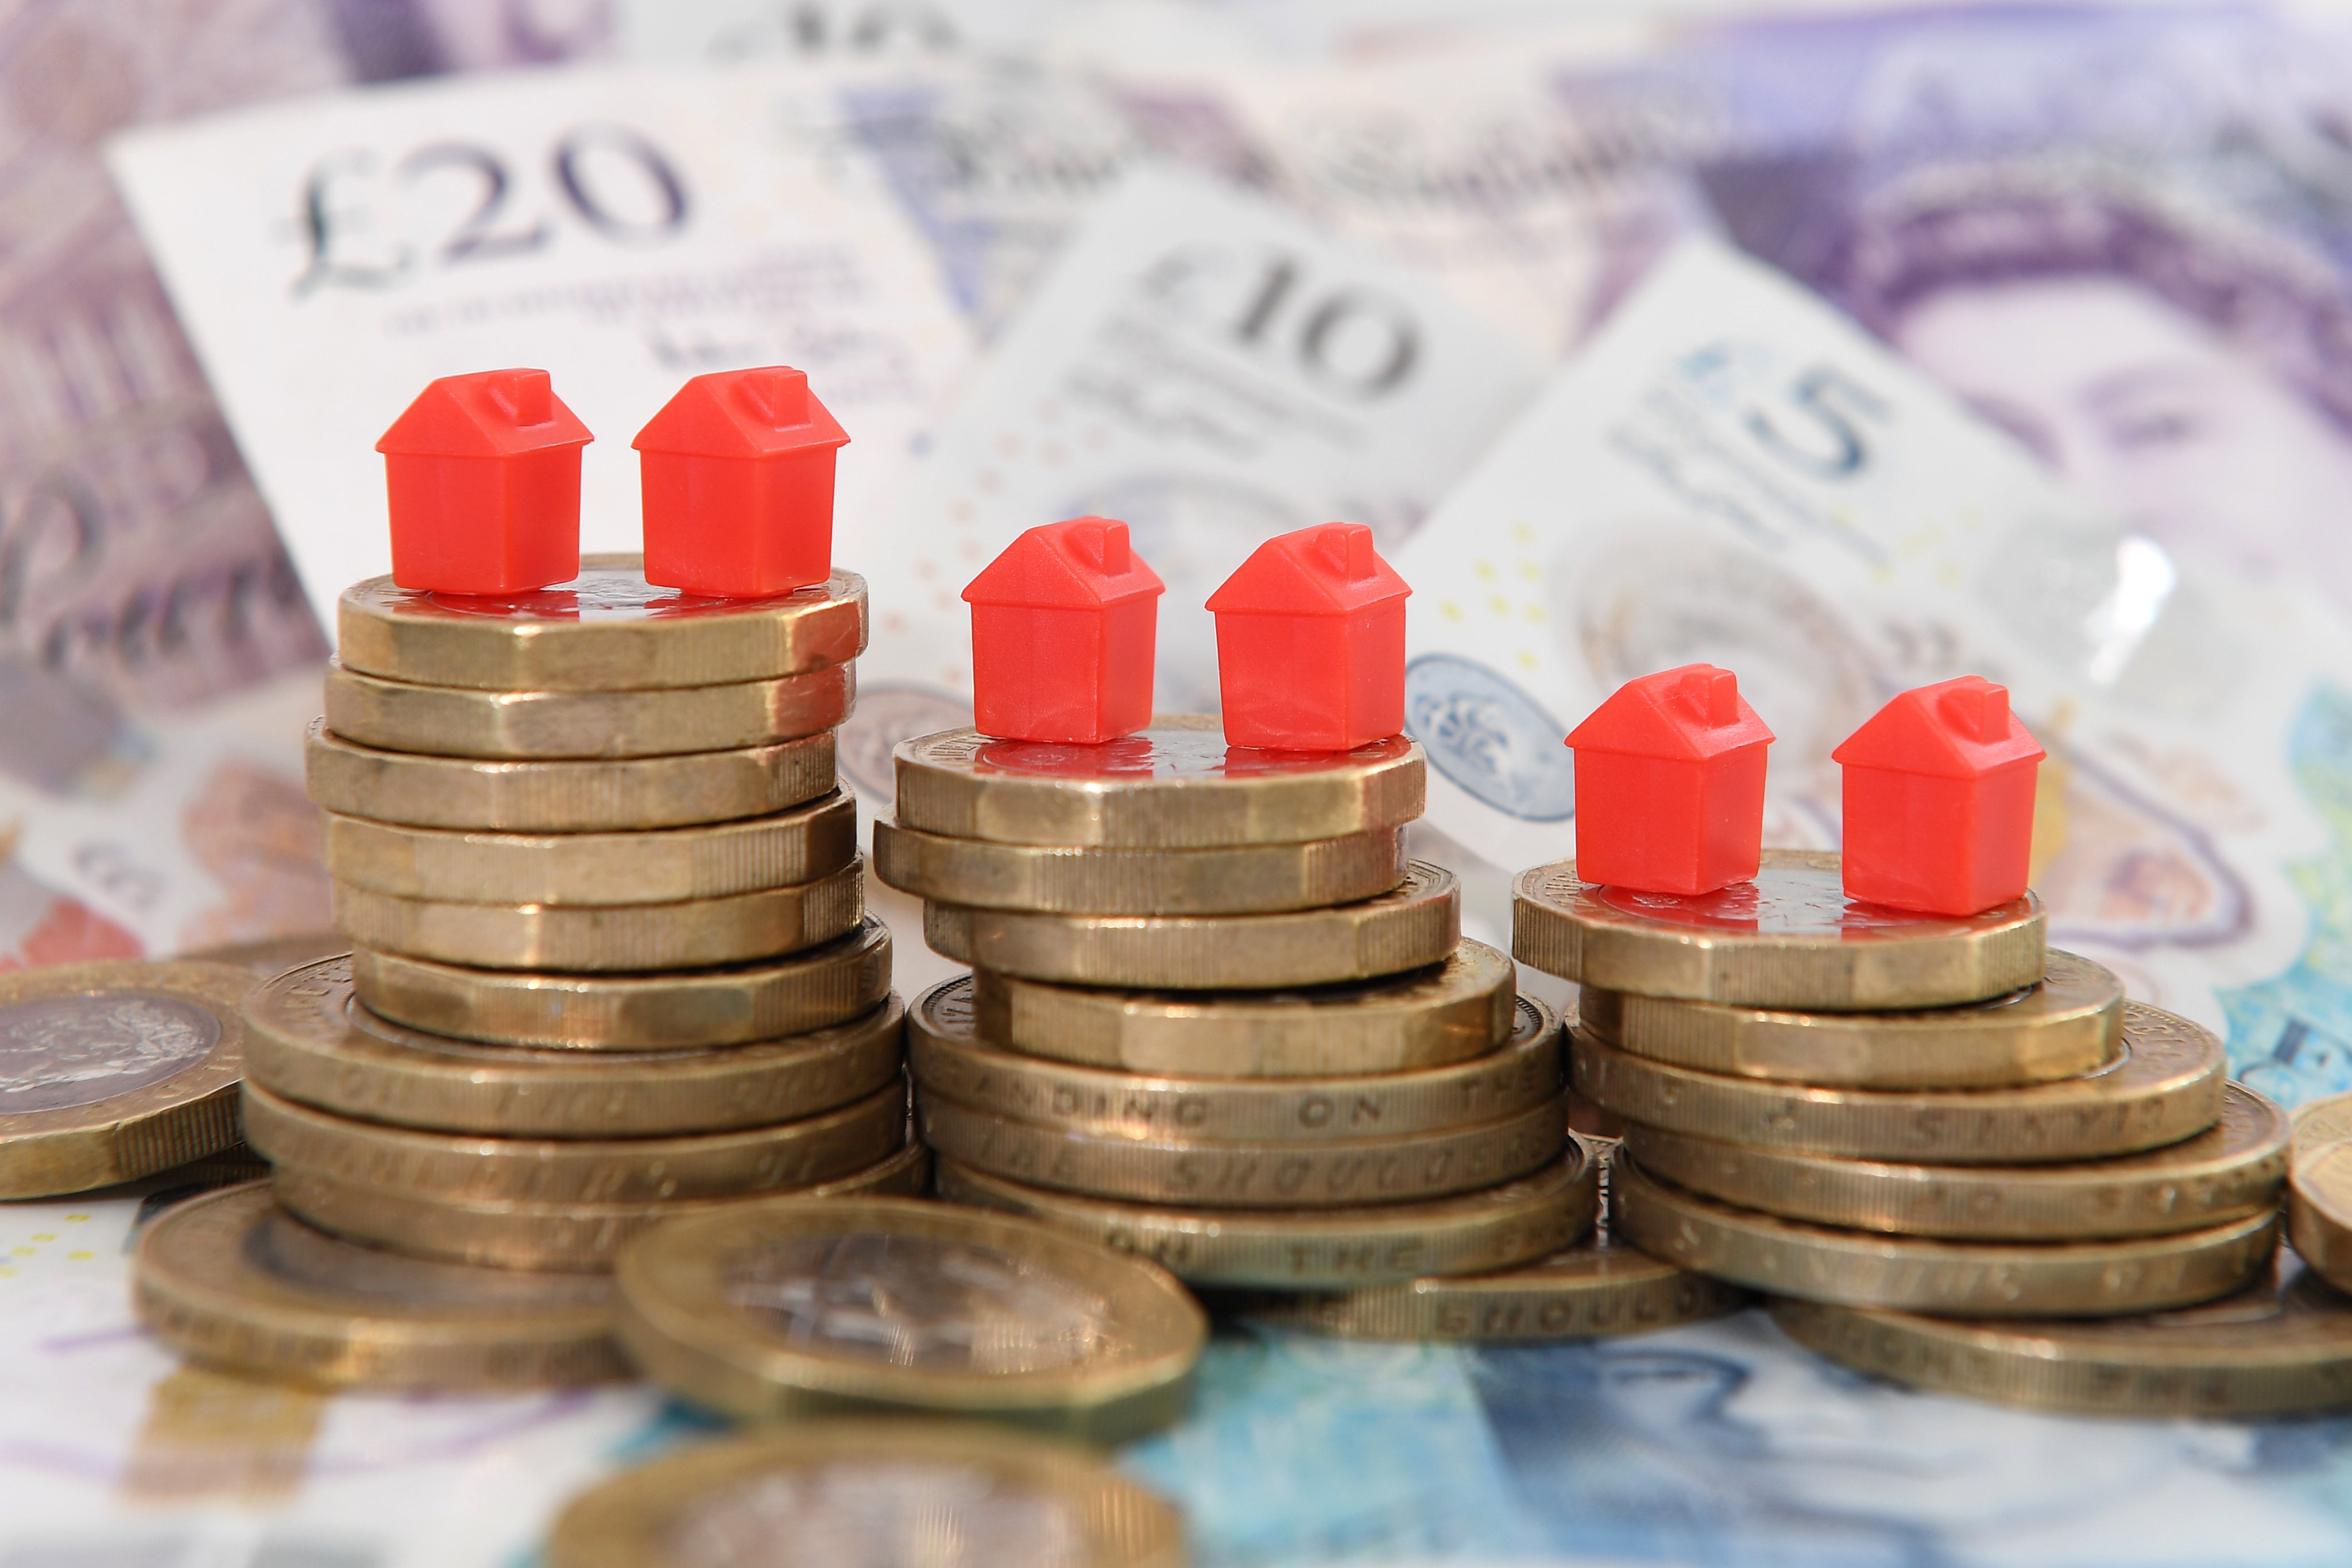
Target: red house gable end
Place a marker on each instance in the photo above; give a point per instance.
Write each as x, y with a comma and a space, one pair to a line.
764, 413
1954, 729
1328, 570
490, 414
1689, 714
1080, 564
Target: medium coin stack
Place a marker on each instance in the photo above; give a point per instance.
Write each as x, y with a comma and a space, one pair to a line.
1218, 1019
609, 961
1867, 1109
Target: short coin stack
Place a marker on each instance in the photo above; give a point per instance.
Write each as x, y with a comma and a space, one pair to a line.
1218, 1020
1881, 1114
610, 957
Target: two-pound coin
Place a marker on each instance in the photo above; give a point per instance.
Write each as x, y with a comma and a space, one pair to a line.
1174, 785
947, 1059
563, 796
267, 955
310, 1042
660, 865
519, 1234
790, 1309
1964, 1279
116, 1070
2067, 1024
462, 1166
870, 1492
2319, 1188
2232, 1170
811, 990
1425, 1018
1251, 879
1415, 926
1790, 938
1333, 1173
1334, 1248
2283, 1346
466, 721
738, 929
607, 630
233, 1280
2166, 1086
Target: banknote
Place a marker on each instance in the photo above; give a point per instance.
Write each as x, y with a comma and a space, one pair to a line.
1735, 473
1208, 369
1718, 1444
623, 231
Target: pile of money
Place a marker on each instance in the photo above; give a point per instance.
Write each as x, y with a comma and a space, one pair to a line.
609, 962
1875, 1112
1218, 1019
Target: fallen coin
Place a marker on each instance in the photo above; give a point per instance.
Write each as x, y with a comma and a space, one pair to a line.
1788, 939
2166, 1085
872, 1492
790, 1309
115, 1070
233, 1280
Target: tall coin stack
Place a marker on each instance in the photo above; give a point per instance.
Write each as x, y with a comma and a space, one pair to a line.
1878, 1114
609, 953
1217, 1018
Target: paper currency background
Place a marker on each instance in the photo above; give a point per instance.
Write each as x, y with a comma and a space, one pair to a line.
1850, 349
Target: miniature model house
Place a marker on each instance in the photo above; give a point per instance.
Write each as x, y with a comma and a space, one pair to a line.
737, 472
482, 472
1939, 801
1670, 784
1310, 642
1064, 625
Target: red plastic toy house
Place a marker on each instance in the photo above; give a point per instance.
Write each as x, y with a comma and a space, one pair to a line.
1064, 624
483, 476
1310, 642
737, 474
1939, 801
1670, 784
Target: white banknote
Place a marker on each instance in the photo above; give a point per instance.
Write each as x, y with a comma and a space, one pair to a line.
623, 231
1213, 372
1735, 473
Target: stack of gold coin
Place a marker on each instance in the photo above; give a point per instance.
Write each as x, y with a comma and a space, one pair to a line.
1862, 1108
609, 959
1218, 1019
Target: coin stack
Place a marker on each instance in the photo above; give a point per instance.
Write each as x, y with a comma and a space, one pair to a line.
1881, 1114
609, 953
1218, 1019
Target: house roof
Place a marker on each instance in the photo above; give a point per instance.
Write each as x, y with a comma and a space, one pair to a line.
489, 413
1328, 570
1079, 564
1954, 730
1693, 712
761, 412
